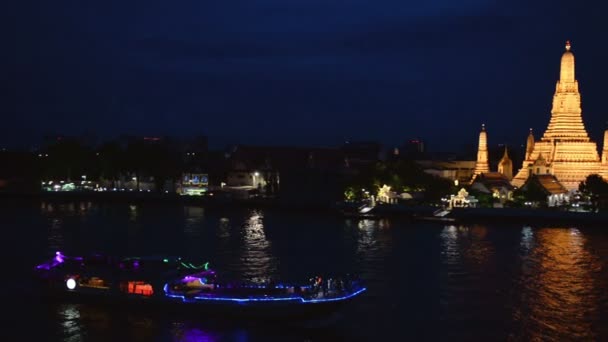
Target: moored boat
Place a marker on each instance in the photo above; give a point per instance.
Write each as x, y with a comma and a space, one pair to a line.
172, 281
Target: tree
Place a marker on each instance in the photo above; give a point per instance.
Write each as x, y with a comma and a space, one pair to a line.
402, 175
531, 192
596, 189
111, 161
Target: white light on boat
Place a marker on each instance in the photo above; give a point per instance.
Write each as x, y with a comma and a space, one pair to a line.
70, 283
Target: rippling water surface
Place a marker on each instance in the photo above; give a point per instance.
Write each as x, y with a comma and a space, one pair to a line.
425, 280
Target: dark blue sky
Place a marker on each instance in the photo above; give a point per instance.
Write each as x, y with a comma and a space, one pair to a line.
307, 72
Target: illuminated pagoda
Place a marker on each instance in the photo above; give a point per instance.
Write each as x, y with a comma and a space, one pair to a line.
482, 165
565, 150
505, 166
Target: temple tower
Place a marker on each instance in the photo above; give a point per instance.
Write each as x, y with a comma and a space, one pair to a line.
482, 165
505, 166
568, 152
530, 145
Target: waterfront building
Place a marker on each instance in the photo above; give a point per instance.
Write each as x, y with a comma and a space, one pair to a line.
565, 150
462, 200
495, 184
459, 171
556, 193
194, 184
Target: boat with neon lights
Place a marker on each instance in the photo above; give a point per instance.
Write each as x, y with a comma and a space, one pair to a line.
174, 282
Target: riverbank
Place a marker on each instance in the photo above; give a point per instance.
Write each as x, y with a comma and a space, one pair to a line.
527, 216
132, 197
413, 212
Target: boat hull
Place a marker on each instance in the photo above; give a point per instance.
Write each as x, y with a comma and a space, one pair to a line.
248, 310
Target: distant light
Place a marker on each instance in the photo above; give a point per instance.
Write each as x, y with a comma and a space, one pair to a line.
256, 174
134, 178
70, 284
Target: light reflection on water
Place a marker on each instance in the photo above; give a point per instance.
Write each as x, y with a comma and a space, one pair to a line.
256, 258
466, 245
559, 294
193, 228
71, 322
521, 281
187, 333
55, 237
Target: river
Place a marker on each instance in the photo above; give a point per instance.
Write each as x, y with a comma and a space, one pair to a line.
428, 281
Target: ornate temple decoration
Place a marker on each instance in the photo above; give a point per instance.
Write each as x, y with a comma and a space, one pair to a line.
565, 149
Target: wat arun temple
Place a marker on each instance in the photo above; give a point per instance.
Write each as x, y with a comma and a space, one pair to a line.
565, 150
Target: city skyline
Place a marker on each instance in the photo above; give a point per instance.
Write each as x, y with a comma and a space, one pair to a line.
298, 74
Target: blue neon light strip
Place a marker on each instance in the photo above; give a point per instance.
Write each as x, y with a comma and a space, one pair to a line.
245, 300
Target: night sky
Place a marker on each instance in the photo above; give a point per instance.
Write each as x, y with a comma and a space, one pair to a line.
297, 72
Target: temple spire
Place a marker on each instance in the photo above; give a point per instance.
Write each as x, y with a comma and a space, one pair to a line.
505, 166
482, 165
530, 145
566, 119
567, 65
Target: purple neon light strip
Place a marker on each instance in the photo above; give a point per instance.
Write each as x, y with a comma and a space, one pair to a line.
58, 259
244, 300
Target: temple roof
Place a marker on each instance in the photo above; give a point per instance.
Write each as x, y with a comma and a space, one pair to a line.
493, 180
549, 183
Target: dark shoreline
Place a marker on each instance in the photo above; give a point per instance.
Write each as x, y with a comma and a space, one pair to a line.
415, 213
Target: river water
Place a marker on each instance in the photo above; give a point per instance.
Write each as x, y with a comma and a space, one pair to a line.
427, 281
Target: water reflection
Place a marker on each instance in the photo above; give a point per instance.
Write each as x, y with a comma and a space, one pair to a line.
193, 228
70, 322
527, 239
134, 226
104, 323
373, 243
81, 209
451, 250
184, 332
193, 224
466, 244
223, 231
133, 213
559, 296
256, 258
55, 236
